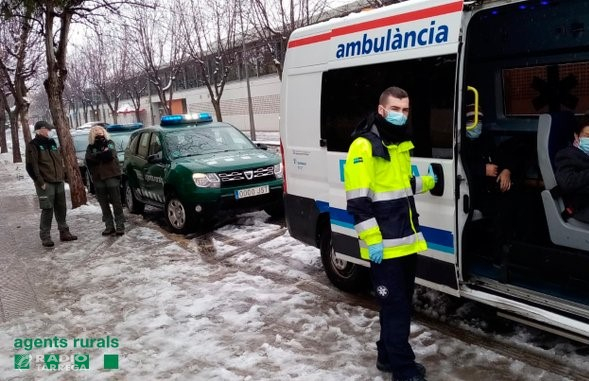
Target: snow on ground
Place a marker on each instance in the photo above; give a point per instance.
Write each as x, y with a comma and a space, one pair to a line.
211, 308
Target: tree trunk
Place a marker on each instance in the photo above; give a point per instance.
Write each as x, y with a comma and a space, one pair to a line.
217, 107
24, 121
3, 145
54, 94
137, 116
16, 156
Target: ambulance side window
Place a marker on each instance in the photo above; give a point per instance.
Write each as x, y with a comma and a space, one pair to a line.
350, 94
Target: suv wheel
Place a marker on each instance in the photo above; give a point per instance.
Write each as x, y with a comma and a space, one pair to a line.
135, 206
344, 275
178, 215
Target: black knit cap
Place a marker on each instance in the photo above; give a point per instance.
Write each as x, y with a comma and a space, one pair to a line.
43, 124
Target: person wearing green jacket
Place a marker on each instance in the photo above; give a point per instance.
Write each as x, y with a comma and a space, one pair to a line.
379, 188
103, 164
45, 166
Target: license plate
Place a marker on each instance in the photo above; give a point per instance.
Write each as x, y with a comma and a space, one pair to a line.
250, 192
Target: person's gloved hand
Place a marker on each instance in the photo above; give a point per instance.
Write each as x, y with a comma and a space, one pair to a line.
430, 172
375, 252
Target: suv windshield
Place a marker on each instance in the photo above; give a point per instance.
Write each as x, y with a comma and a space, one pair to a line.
201, 140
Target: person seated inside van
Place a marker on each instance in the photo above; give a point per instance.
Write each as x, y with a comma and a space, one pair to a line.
493, 170
572, 172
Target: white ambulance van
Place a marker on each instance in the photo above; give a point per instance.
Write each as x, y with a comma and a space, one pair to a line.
523, 66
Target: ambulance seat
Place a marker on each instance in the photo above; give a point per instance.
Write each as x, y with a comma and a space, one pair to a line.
555, 131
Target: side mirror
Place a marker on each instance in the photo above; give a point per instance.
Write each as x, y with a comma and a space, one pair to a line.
155, 158
262, 146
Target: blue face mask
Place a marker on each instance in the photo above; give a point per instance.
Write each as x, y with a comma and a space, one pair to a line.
396, 118
475, 132
584, 145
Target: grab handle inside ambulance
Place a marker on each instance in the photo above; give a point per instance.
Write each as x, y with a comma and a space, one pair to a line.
438, 190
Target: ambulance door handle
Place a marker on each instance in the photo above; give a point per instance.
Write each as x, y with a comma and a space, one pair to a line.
322, 142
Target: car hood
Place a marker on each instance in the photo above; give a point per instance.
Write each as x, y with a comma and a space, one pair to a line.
224, 161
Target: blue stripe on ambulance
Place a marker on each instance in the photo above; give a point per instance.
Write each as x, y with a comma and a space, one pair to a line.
437, 239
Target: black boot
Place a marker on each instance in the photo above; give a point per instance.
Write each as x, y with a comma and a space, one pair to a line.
65, 235
108, 231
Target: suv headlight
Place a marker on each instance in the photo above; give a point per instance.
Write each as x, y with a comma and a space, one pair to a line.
206, 180
278, 170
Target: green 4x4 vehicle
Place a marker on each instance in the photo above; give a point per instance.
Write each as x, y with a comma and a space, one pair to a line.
195, 168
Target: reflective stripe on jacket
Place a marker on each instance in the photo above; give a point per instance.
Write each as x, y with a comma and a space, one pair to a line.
379, 190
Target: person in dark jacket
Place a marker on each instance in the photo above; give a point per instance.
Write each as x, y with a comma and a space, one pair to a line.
572, 172
45, 166
103, 164
494, 172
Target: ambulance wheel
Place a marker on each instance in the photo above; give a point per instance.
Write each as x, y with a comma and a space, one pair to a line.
344, 275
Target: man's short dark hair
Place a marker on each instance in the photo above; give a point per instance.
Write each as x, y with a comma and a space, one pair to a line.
393, 91
583, 122
43, 124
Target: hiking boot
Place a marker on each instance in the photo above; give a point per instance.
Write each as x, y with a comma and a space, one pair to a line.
47, 242
65, 235
120, 230
108, 231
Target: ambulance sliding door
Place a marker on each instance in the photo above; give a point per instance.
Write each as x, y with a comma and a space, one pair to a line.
412, 45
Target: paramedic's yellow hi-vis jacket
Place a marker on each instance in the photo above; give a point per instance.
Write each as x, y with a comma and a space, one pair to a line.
379, 190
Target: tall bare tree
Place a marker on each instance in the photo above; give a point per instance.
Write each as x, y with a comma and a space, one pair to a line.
4, 111
209, 30
18, 63
75, 86
135, 87
275, 20
159, 49
106, 71
3, 144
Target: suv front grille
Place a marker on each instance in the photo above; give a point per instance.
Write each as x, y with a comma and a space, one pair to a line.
250, 176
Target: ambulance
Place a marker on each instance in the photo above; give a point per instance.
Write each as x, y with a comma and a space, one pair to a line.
523, 67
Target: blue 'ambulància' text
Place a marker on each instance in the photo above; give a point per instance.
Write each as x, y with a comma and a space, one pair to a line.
394, 39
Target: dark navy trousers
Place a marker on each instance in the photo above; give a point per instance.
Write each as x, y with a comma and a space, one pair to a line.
394, 281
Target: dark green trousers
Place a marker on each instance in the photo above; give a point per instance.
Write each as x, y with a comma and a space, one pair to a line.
51, 201
108, 192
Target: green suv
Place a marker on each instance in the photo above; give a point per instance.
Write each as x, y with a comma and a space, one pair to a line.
195, 168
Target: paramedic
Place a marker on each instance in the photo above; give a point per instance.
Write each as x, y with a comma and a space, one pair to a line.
379, 190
